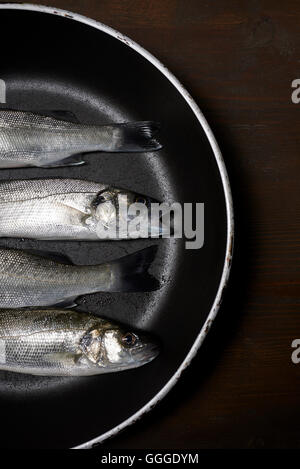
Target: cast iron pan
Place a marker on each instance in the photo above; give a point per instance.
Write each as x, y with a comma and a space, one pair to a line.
63, 63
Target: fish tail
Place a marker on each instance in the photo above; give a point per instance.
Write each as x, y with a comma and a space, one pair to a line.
138, 136
130, 273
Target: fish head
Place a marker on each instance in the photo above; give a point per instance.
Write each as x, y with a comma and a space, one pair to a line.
126, 349
125, 212
116, 349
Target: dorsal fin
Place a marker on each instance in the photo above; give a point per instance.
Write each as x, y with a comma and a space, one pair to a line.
66, 116
66, 358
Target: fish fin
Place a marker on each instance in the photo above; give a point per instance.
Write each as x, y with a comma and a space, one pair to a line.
71, 160
63, 165
59, 115
62, 357
131, 272
138, 136
54, 256
68, 303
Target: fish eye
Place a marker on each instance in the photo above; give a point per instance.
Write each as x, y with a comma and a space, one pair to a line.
140, 200
129, 339
99, 199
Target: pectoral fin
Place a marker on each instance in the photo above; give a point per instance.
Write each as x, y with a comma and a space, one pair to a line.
67, 303
63, 165
65, 161
65, 358
67, 116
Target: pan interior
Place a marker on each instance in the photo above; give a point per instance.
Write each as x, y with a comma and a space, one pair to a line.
58, 64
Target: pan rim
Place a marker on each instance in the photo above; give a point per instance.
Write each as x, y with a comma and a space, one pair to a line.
227, 194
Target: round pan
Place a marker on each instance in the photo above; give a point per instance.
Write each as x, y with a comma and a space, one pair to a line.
63, 62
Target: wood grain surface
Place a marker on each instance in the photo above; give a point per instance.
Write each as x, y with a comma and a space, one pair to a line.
237, 59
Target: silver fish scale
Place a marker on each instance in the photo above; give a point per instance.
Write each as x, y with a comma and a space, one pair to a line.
39, 140
44, 341
35, 350
16, 190
48, 209
29, 280
57, 342
58, 217
28, 119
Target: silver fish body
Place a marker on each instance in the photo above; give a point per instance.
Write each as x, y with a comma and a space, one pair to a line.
66, 209
28, 279
68, 343
29, 139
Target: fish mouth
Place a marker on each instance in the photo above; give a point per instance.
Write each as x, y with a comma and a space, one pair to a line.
152, 353
146, 353
162, 228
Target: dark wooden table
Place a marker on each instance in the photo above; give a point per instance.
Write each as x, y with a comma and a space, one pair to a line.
238, 59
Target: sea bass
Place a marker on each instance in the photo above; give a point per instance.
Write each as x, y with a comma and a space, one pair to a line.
28, 279
59, 342
69, 209
28, 139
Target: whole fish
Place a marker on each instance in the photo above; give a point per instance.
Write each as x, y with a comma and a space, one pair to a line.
28, 279
29, 139
69, 343
69, 209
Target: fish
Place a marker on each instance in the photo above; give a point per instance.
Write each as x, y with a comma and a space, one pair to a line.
71, 209
34, 278
60, 342
30, 139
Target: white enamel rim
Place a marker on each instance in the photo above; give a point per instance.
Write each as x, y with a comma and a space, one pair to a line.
227, 192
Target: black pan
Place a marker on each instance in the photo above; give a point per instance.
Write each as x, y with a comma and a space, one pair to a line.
64, 63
